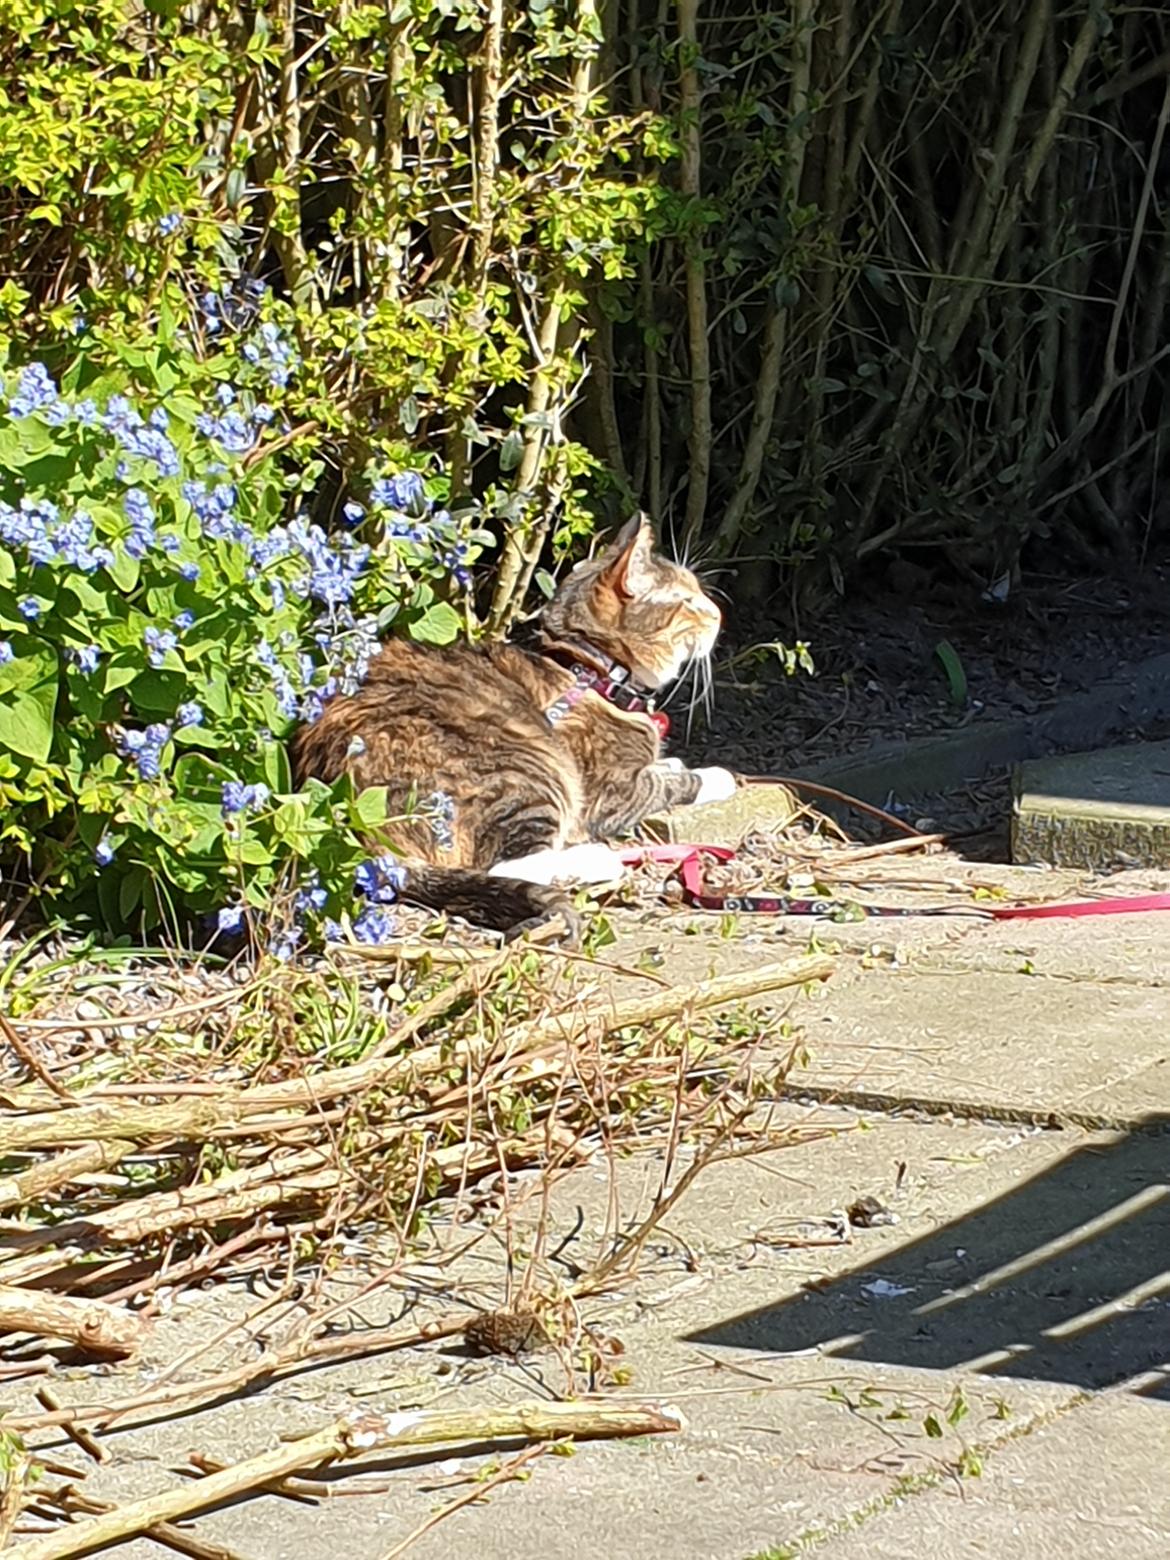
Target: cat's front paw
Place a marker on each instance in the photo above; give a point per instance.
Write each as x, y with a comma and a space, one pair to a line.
715, 785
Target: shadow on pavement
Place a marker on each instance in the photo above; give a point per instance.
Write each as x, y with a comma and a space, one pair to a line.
1065, 1278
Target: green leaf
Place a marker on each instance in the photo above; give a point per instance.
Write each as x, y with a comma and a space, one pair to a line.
124, 569
130, 892
511, 450
28, 701
958, 1410
369, 808
251, 851
953, 667
158, 693
439, 625
275, 765
932, 1427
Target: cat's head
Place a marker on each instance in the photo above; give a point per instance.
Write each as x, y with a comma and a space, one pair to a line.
644, 611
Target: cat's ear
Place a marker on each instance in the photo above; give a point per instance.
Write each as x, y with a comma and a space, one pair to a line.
630, 554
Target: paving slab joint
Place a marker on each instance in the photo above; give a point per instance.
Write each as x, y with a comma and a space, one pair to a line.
909, 1485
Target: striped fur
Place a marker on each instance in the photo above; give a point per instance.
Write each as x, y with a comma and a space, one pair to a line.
471, 723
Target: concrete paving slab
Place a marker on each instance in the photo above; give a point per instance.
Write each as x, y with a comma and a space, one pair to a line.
788, 1432
985, 1041
1094, 809
753, 809
1027, 1271
1086, 1483
946, 1528
1136, 949
1063, 1275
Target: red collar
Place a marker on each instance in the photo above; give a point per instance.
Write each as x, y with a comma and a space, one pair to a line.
605, 677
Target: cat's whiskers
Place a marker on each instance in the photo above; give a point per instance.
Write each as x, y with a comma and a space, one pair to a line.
699, 675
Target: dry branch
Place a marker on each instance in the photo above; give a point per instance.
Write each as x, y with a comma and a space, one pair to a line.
691, 105
357, 1436
90, 1323
198, 1119
72, 1501
720, 991
27, 1186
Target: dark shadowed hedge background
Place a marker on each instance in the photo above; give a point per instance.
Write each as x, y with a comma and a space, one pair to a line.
811, 282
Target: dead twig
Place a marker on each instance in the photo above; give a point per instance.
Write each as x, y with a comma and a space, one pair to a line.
356, 1436
90, 1323
70, 1500
477, 1491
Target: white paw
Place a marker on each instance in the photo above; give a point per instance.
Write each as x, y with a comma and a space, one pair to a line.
537, 868
715, 785
675, 765
588, 863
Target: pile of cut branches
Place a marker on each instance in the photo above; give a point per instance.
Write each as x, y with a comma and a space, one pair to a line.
283, 1120
216, 1160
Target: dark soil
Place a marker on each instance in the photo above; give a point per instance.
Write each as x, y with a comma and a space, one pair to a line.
879, 678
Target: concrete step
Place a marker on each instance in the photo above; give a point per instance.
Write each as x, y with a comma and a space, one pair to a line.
1096, 810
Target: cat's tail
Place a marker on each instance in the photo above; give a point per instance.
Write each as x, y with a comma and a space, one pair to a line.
502, 904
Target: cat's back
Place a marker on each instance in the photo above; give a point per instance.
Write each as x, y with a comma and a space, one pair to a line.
467, 680
419, 705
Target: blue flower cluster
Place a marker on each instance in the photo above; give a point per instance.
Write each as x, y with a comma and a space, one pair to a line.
238, 797
34, 391
312, 897
140, 513
158, 643
349, 644
413, 518
38, 530
374, 926
145, 748
145, 438
232, 430
284, 945
215, 510
235, 307
271, 352
379, 880
404, 493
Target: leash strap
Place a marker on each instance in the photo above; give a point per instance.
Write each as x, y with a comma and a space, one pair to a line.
689, 860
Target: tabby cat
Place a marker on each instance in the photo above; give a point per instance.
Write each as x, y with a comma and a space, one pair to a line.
543, 753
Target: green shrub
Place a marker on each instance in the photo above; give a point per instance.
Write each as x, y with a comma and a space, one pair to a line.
168, 612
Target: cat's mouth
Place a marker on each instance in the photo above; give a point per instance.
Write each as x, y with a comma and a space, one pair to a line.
693, 652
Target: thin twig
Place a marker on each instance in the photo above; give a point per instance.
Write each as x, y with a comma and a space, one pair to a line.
356, 1436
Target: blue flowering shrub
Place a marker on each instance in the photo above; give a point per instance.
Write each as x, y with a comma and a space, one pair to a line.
168, 613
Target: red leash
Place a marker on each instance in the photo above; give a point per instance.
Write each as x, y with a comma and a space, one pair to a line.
689, 859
